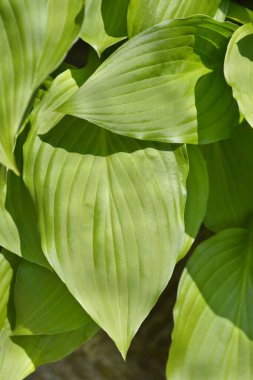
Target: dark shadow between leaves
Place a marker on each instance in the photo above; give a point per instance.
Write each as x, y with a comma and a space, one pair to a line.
79, 136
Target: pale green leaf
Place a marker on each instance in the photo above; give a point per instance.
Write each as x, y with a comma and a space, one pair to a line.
166, 84
145, 13
222, 11
46, 307
18, 221
239, 69
197, 195
230, 170
93, 29
213, 333
34, 37
111, 218
9, 237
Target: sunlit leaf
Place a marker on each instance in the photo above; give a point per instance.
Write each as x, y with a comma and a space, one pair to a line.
104, 23
145, 13
213, 333
239, 69
166, 84
46, 307
34, 37
108, 208
230, 170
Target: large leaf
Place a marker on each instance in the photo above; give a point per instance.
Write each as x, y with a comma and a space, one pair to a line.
197, 196
18, 222
34, 37
104, 23
111, 215
20, 355
239, 69
46, 307
166, 84
230, 169
213, 333
145, 13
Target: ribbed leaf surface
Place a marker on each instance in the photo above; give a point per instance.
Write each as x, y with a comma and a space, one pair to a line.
111, 218
145, 13
213, 333
34, 37
166, 84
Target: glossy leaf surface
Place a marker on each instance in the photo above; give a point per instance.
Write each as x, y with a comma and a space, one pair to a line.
166, 84
213, 334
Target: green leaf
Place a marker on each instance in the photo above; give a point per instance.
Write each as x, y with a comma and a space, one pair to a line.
8, 268
145, 13
94, 30
20, 355
44, 349
46, 307
222, 11
108, 207
230, 168
197, 196
213, 333
166, 84
9, 237
239, 14
34, 36
18, 221
239, 69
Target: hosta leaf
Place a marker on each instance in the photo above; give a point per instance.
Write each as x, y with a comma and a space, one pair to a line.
18, 221
110, 214
8, 267
222, 11
44, 349
94, 30
20, 355
34, 37
9, 237
46, 307
166, 84
213, 333
145, 13
239, 13
197, 196
239, 69
230, 169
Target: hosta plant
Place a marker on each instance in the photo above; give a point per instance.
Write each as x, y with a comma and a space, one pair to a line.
108, 171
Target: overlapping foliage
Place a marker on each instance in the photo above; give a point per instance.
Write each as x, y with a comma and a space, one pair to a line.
103, 187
